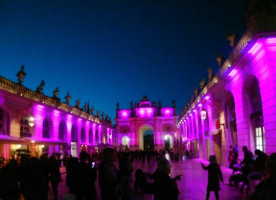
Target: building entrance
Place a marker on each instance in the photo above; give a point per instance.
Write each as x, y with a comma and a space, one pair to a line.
148, 140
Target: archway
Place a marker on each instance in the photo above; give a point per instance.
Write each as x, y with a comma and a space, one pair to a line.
230, 119
146, 141
168, 142
253, 110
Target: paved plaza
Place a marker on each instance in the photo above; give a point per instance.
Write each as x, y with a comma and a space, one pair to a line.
192, 185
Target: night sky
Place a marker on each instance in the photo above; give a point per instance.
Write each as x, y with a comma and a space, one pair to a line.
114, 51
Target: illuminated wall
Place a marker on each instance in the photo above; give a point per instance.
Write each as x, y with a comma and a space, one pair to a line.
250, 79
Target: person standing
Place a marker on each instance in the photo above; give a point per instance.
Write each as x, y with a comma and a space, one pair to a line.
165, 187
108, 176
214, 176
55, 176
84, 177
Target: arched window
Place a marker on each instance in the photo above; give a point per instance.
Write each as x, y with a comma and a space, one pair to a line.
90, 136
83, 136
62, 131
74, 133
24, 127
46, 128
2, 122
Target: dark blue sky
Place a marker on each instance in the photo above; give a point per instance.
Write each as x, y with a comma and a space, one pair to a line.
106, 52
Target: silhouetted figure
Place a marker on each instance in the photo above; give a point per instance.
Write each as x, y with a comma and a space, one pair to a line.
44, 164
248, 162
259, 165
9, 188
267, 188
125, 173
164, 186
70, 167
214, 176
108, 176
55, 176
85, 176
33, 179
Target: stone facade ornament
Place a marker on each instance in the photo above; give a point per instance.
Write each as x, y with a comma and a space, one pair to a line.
118, 106
40, 87
98, 114
210, 74
21, 74
68, 98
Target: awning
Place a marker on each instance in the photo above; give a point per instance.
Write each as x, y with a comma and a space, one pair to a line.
6, 139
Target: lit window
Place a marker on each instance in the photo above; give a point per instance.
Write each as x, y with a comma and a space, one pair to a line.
24, 127
260, 138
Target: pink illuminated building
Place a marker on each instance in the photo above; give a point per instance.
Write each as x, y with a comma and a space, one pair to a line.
29, 120
237, 106
146, 126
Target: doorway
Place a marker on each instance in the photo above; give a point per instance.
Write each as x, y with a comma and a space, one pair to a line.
148, 140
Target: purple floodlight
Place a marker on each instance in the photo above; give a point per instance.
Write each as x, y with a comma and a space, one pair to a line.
233, 73
255, 48
271, 40
124, 113
167, 111
145, 112
200, 105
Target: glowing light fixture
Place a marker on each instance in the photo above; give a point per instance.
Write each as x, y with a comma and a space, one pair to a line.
207, 97
31, 121
203, 114
32, 141
200, 105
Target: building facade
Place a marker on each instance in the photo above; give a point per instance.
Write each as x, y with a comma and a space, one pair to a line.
237, 106
32, 121
146, 126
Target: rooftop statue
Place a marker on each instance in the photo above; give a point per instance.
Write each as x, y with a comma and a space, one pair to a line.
78, 104
56, 91
219, 59
210, 74
196, 92
86, 107
92, 110
40, 87
21, 74
68, 98
145, 98
202, 83
232, 37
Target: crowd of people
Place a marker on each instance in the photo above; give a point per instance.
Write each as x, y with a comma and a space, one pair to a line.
115, 171
253, 168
